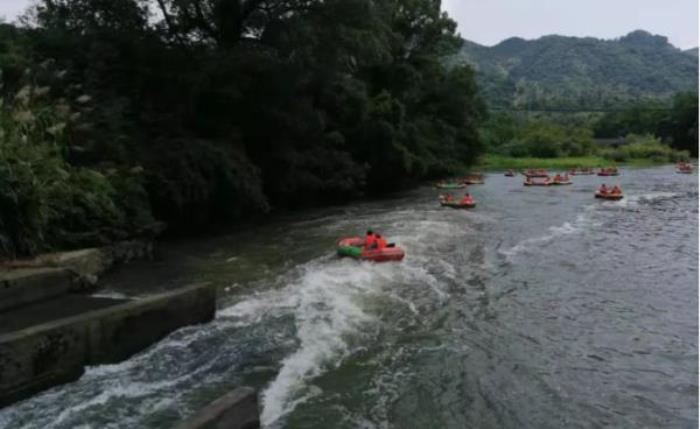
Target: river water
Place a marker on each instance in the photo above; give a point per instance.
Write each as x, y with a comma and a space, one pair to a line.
541, 308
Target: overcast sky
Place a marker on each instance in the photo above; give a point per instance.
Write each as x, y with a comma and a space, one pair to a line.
490, 21
9, 9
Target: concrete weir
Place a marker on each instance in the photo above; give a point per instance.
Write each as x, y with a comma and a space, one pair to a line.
18, 288
37, 357
237, 409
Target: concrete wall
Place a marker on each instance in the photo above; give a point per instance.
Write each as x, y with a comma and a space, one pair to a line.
50, 275
237, 409
22, 287
45, 355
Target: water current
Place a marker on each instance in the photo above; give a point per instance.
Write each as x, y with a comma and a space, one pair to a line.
541, 308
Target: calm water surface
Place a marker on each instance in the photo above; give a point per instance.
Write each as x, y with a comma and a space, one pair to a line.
542, 308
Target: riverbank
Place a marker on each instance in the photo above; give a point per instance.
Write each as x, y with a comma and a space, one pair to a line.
490, 162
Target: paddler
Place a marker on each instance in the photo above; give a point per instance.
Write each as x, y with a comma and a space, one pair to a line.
467, 199
370, 239
616, 190
603, 189
381, 242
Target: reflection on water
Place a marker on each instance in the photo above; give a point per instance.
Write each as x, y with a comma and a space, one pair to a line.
541, 308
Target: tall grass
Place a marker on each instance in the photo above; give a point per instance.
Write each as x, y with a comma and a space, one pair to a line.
45, 202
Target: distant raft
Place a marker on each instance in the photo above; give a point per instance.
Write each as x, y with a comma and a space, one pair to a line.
458, 204
450, 185
353, 247
581, 172
537, 183
532, 173
473, 179
612, 171
609, 196
684, 168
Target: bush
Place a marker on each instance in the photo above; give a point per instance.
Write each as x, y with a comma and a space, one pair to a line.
645, 147
539, 138
616, 155
46, 203
192, 183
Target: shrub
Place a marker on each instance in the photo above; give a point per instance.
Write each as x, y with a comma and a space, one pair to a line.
645, 147
46, 203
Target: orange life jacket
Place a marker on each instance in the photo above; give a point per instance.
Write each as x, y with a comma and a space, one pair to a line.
370, 240
381, 243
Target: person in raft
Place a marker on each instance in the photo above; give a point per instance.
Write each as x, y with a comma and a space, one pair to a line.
370, 239
616, 190
467, 199
379, 243
374, 241
603, 189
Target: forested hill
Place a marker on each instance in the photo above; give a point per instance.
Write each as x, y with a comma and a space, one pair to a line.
571, 72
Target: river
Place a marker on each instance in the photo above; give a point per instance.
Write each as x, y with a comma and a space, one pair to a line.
541, 308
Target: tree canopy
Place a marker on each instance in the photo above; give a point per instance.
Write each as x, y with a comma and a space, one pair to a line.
220, 109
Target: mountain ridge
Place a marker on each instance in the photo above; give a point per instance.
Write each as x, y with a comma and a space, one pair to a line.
555, 71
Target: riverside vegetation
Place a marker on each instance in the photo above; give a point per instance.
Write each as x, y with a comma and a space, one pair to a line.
200, 112
117, 114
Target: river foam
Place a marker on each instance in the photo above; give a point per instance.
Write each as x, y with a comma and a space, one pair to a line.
332, 304
578, 225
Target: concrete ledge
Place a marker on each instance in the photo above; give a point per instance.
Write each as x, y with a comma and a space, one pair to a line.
45, 355
237, 409
22, 287
24, 282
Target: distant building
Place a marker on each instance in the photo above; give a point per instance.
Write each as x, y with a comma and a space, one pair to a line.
611, 142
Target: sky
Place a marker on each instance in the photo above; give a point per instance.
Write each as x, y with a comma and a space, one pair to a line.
491, 21
9, 9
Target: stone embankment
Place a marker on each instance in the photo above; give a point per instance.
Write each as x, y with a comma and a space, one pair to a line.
51, 327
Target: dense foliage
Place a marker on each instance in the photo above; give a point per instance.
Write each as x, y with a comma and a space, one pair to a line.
199, 112
557, 72
676, 124
646, 147
520, 136
650, 131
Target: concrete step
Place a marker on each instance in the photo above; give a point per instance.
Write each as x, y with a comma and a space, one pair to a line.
38, 356
25, 286
46, 311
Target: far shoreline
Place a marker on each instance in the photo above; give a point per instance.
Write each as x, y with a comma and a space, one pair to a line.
492, 162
